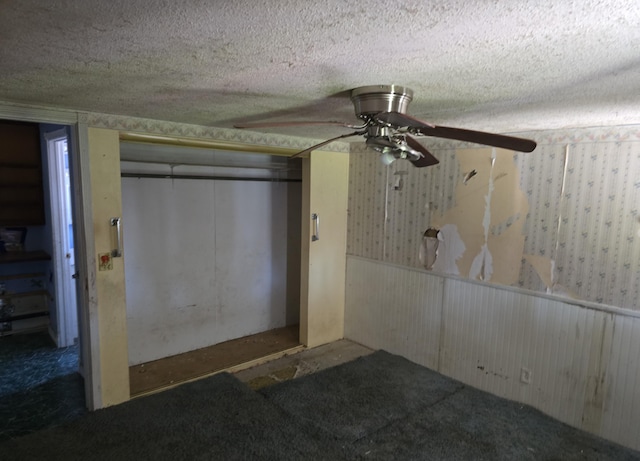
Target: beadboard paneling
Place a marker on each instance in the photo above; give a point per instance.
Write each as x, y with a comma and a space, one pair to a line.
582, 363
492, 337
381, 315
621, 413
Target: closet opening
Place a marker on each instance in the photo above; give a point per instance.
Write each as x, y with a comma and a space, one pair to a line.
212, 260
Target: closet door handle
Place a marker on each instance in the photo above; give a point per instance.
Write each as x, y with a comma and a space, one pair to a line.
316, 227
115, 224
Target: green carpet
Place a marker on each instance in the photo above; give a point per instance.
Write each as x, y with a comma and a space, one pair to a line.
380, 407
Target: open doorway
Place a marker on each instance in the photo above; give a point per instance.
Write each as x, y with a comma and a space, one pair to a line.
40, 380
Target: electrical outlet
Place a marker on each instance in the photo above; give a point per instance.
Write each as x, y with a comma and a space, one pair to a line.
525, 375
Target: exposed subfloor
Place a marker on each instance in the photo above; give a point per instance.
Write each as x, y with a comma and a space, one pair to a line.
302, 363
170, 371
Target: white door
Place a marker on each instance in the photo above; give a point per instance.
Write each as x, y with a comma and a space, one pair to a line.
62, 232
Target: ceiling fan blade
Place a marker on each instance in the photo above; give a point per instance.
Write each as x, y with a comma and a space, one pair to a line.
459, 134
427, 158
293, 123
481, 137
324, 143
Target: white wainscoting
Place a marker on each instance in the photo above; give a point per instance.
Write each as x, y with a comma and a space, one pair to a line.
581, 361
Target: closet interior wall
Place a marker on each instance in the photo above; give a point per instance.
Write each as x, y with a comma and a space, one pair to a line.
211, 246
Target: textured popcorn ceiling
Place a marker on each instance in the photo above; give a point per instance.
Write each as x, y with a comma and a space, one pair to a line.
493, 65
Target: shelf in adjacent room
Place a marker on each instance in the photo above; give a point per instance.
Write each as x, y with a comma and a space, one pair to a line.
24, 256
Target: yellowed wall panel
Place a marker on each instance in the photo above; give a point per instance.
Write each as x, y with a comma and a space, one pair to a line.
325, 179
104, 155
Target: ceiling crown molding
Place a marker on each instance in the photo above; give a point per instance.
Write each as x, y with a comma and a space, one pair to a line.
10, 111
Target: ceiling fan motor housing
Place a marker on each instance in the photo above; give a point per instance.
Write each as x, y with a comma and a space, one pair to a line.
373, 99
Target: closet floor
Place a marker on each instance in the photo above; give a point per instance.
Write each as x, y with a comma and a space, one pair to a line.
152, 376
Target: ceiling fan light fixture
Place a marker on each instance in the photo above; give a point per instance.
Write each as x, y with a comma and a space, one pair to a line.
387, 158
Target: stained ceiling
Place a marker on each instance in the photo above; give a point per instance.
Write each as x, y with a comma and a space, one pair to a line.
504, 66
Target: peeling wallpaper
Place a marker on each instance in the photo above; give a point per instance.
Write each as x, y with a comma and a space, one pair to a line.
563, 219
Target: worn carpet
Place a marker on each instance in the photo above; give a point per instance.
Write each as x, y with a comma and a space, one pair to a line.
39, 384
380, 406
384, 407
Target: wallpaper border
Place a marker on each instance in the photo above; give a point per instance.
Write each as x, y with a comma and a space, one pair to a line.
166, 128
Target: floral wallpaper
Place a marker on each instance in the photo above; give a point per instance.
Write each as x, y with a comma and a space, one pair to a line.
581, 226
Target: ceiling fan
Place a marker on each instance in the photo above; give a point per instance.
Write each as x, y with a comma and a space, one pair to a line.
389, 130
